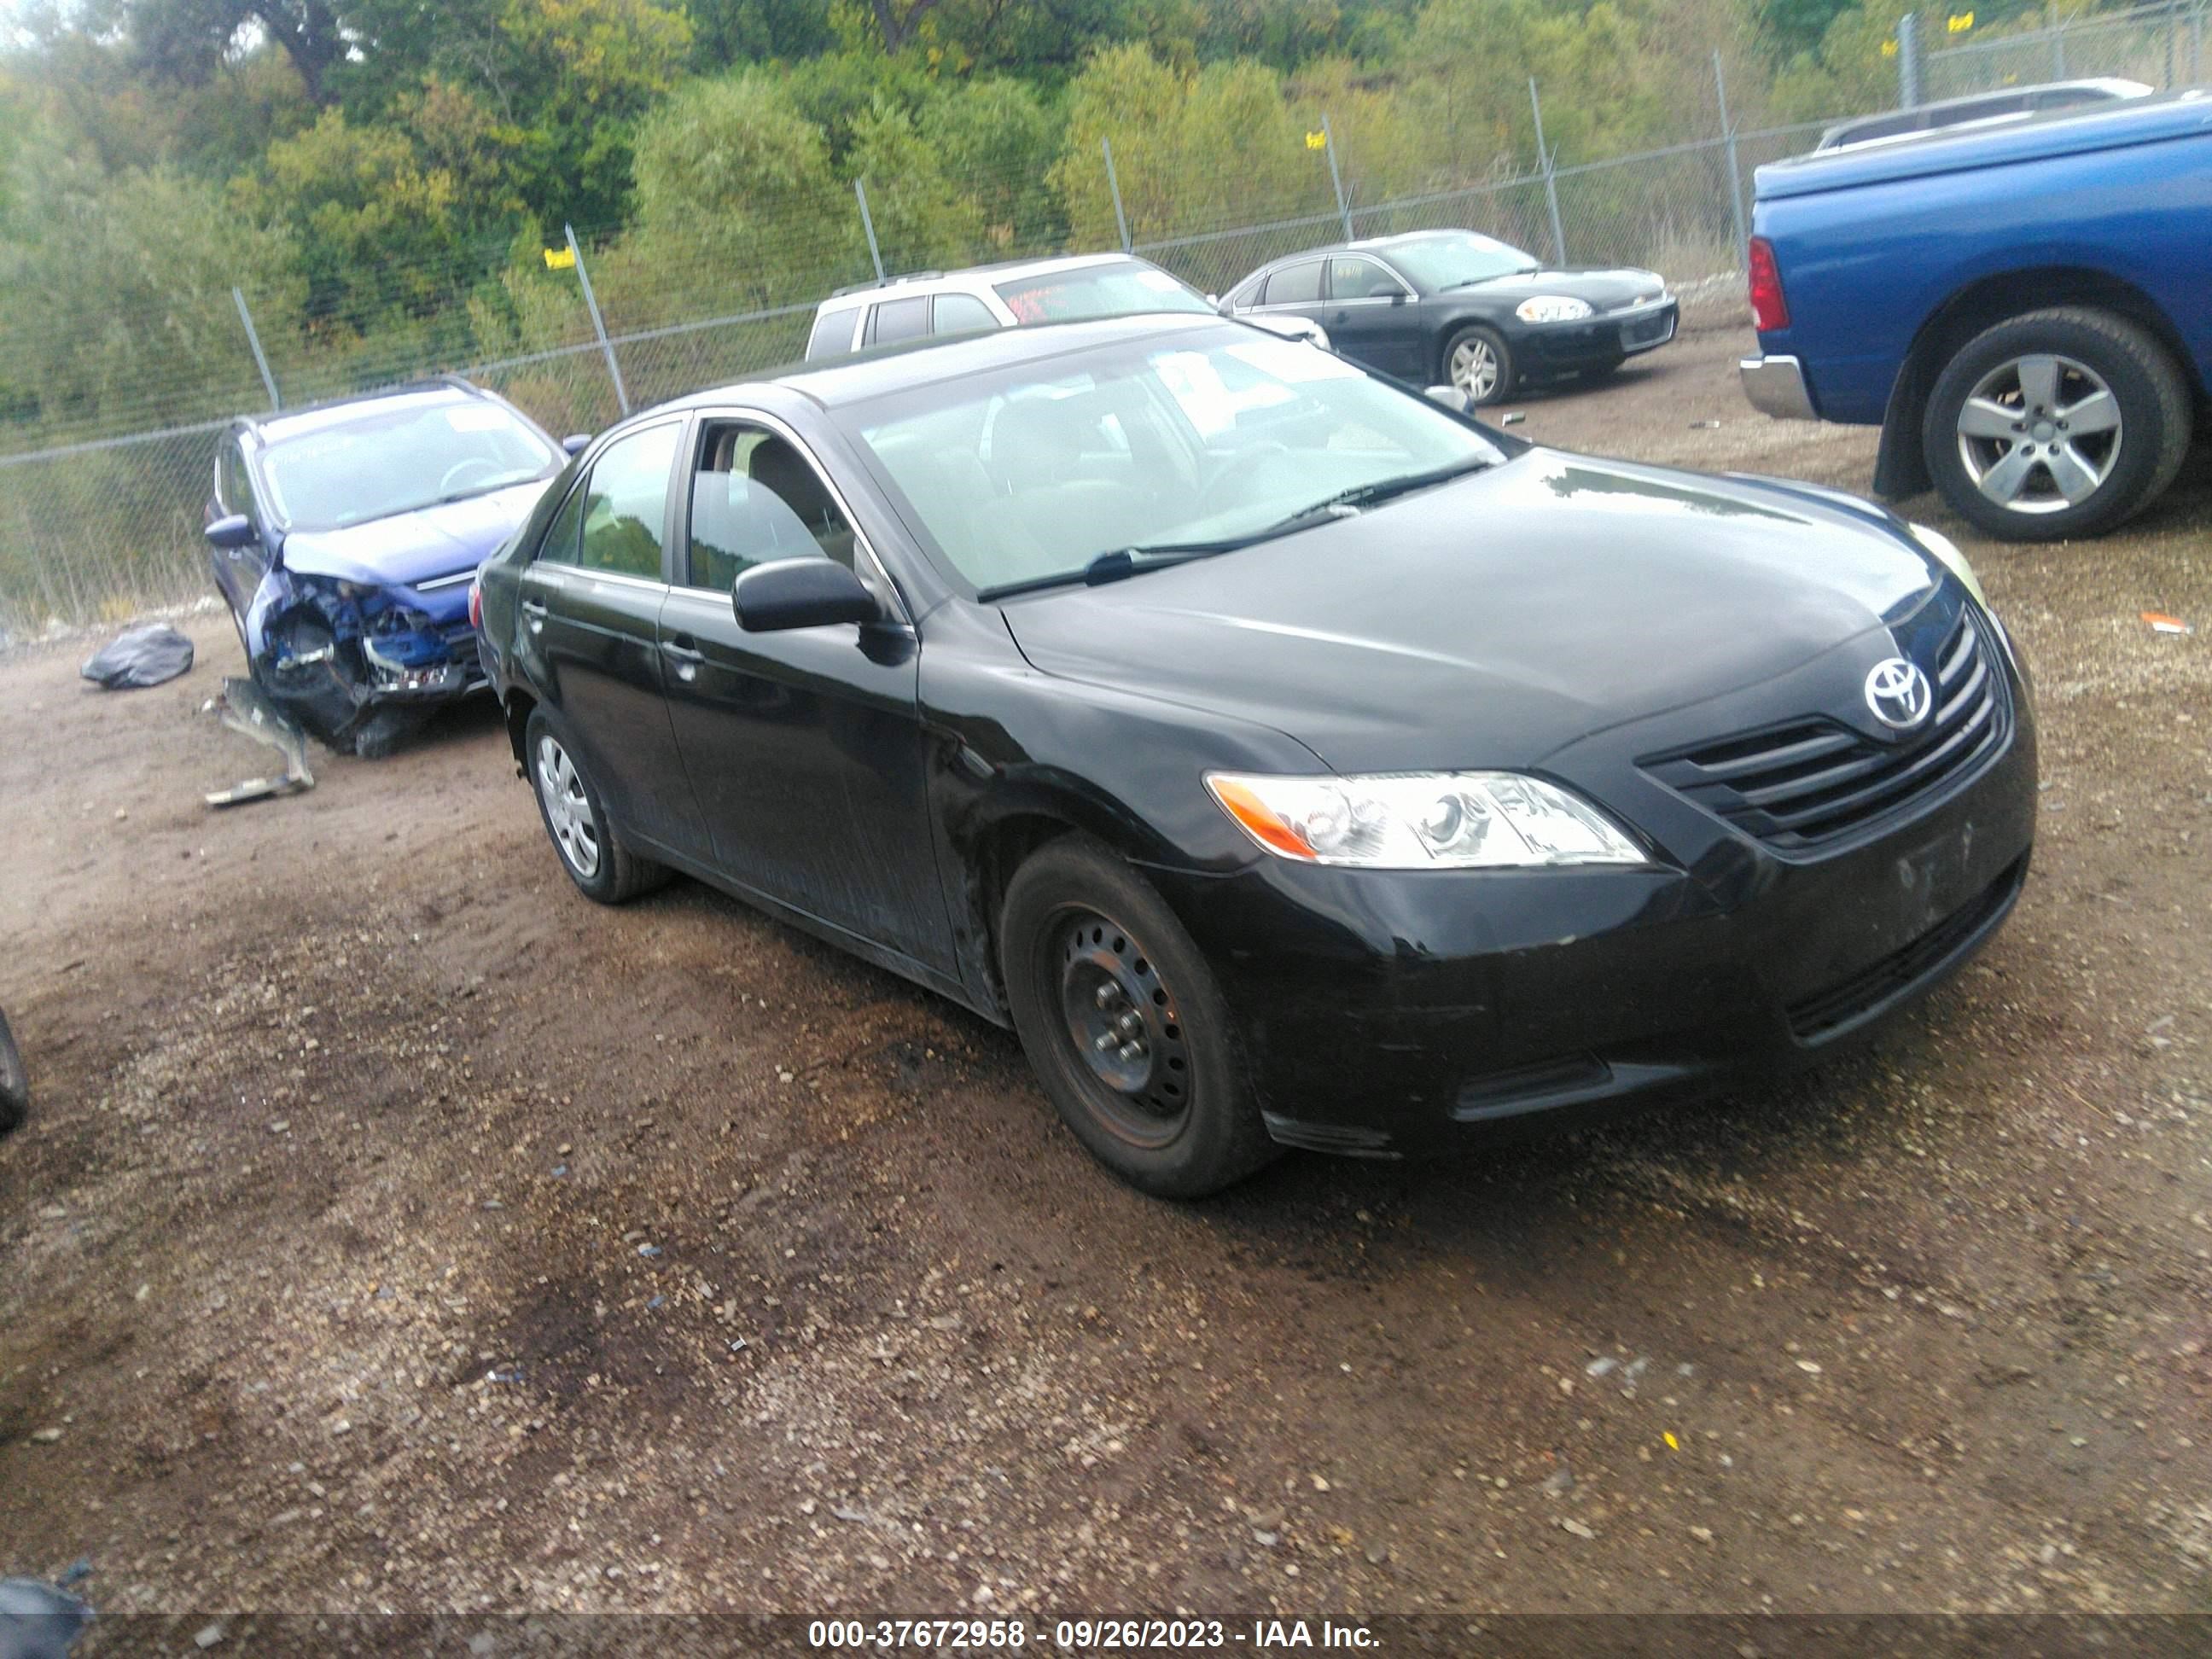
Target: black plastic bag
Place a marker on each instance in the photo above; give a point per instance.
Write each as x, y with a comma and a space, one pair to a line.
142, 657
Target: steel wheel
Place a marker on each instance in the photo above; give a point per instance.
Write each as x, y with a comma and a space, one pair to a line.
1474, 367
567, 811
1123, 1021
2039, 434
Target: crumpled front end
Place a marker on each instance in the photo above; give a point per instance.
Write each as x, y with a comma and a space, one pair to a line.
337, 653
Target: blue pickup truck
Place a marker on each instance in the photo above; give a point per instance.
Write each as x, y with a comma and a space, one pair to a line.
2026, 312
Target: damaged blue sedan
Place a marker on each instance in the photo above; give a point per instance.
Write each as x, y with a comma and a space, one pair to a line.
345, 538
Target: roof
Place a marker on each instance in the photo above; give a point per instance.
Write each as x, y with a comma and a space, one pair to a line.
336, 411
842, 380
1004, 269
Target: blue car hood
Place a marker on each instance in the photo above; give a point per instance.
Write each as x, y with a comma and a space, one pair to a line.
409, 548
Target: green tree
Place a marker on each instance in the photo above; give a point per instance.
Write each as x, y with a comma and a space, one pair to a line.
995, 140
737, 205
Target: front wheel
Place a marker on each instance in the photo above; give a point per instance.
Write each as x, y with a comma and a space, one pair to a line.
1480, 363
2057, 423
1123, 1021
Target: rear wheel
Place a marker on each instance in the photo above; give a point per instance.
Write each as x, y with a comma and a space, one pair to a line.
2058, 424
592, 850
15, 1082
1127, 1030
1478, 361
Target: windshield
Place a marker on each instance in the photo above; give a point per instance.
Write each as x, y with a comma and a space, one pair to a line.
1125, 288
396, 458
1437, 263
1024, 474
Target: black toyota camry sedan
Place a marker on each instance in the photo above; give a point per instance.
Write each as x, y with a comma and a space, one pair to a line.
1288, 759
1453, 305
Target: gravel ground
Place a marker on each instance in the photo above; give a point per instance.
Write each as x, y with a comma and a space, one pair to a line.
397, 1230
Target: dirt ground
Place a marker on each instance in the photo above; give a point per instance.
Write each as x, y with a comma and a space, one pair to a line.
397, 1230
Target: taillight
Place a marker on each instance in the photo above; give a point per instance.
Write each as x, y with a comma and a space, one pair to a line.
476, 602
1769, 310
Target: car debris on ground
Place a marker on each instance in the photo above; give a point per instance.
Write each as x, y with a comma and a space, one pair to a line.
140, 657
245, 707
38, 1621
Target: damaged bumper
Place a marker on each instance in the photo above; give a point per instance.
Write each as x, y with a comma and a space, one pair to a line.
335, 651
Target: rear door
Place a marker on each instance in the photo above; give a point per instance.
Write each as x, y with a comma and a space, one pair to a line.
1371, 317
804, 748
591, 614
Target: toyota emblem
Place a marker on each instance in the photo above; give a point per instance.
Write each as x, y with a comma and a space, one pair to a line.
1899, 693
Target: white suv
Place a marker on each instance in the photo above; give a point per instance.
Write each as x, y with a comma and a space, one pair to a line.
1060, 290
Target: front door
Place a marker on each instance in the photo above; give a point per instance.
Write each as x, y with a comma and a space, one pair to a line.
804, 748
1372, 318
591, 616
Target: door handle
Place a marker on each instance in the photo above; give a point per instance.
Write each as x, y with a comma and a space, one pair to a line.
686, 656
533, 612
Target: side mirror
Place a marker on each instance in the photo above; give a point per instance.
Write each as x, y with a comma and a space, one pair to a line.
235, 531
1451, 398
576, 442
1213, 299
800, 593
1399, 296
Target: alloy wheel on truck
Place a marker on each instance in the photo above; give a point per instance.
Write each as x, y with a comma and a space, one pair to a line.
2057, 423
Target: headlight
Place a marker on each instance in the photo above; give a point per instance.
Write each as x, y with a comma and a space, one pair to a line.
1422, 821
1953, 560
1552, 308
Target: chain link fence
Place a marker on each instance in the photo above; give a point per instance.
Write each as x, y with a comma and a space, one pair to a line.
97, 524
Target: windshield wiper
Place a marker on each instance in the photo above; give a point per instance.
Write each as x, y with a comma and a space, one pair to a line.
1495, 275
1119, 562
1384, 490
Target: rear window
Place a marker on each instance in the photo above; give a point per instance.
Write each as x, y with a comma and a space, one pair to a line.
832, 336
899, 320
1297, 284
1121, 288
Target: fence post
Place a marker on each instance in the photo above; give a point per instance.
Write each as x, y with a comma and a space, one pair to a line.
253, 339
1113, 183
1550, 179
2057, 40
598, 323
1336, 178
2197, 43
868, 224
2173, 42
1735, 172
1908, 61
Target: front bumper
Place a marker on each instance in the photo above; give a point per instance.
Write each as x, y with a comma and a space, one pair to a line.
1548, 347
1386, 1013
1775, 386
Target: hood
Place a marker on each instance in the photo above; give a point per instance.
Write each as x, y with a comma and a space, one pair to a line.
1606, 288
1491, 622
409, 547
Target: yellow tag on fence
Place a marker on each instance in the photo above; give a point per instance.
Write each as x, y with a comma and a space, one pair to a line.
1961, 23
1889, 50
1317, 140
559, 258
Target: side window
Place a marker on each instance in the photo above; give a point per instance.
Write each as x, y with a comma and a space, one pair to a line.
1246, 296
899, 320
1361, 279
232, 492
957, 314
626, 503
832, 336
1298, 284
559, 546
755, 499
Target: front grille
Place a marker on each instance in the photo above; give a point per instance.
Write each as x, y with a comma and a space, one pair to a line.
1811, 780
1646, 330
1824, 1014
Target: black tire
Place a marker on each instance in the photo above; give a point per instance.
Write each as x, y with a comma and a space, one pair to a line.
15, 1082
384, 730
2150, 441
1077, 917
1472, 334
613, 874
